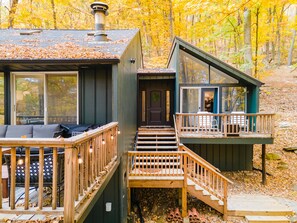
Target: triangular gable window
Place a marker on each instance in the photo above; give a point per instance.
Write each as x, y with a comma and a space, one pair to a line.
219, 77
195, 71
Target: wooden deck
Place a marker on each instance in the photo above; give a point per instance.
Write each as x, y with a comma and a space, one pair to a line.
209, 125
90, 160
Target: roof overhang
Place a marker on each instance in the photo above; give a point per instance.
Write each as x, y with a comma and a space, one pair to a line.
51, 64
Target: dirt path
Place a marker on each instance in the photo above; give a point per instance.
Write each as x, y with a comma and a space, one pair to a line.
279, 96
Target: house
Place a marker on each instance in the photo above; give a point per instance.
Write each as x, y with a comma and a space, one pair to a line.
97, 77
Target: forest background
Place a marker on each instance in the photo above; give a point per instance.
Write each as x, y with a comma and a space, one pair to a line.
252, 35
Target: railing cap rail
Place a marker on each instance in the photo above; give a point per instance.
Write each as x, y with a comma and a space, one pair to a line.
224, 114
56, 142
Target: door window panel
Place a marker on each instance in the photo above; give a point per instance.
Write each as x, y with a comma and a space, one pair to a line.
2, 104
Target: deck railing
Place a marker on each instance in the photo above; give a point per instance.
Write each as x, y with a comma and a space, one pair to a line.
178, 165
87, 159
225, 125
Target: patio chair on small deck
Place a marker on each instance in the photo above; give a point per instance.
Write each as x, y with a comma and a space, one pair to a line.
34, 170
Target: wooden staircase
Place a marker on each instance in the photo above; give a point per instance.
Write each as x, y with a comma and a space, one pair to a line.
156, 139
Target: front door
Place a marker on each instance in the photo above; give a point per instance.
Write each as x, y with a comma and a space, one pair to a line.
155, 104
207, 100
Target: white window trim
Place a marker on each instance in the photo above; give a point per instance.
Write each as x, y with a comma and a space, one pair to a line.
199, 101
44, 74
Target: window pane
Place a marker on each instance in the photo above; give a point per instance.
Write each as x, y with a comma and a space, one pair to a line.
233, 99
167, 106
190, 99
29, 99
2, 99
192, 70
62, 99
219, 77
143, 106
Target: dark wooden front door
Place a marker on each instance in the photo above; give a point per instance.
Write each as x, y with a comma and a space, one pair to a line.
155, 104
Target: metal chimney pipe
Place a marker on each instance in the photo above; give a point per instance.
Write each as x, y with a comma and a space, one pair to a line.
100, 11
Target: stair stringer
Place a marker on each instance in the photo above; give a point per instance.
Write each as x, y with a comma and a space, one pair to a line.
206, 198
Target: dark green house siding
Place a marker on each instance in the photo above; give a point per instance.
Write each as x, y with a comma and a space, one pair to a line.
110, 194
95, 102
226, 157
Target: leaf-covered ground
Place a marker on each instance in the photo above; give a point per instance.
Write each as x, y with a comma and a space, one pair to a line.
279, 96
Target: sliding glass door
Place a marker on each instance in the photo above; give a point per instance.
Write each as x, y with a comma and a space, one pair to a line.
44, 98
199, 99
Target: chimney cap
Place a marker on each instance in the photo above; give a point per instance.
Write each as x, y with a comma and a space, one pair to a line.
99, 6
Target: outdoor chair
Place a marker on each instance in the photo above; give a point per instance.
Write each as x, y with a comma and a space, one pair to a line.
238, 118
34, 170
207, 122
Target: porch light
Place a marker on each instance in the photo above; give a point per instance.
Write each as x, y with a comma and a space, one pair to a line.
111, 137
103, 142
119, 132
80, 160
20, 161
91, 148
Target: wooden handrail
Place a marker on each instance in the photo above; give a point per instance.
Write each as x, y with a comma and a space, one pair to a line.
176, 131
182, 147
97, 147
179, 163
225, 125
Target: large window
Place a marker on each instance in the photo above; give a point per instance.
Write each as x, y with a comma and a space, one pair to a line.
45, 98
233, 99
192, 70
2, 104
195, 71
190, 100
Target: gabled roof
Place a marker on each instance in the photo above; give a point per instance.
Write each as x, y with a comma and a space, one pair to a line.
179, 43
62, 45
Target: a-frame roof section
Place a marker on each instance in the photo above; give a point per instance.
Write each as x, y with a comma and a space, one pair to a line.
179, 43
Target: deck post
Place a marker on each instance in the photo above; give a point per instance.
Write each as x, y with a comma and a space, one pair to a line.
184, 189
225, 200
264, 164
69, 189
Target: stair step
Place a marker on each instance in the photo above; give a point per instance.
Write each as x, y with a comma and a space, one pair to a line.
205, 193
190, 182
156, 142
214, 198
267, 219
156, 147
157, 137
156, 133
221, 203
198, 188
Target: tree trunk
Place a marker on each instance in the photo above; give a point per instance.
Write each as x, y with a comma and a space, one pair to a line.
278, 35
290, 56
247, 41
12, 12
257, 42
171, 20
54, 13
292, 19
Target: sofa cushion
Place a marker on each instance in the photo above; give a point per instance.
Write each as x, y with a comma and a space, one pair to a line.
17, 131
3, 129
45, 131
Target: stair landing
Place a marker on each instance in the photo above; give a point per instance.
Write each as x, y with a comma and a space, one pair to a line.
257, 207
